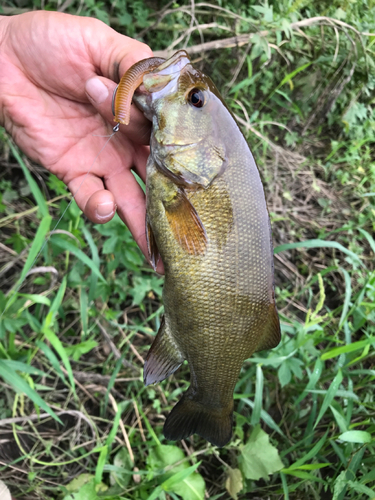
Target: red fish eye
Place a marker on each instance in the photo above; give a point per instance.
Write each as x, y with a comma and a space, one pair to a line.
196, 98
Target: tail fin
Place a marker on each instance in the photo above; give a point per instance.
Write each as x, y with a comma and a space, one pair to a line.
192, 417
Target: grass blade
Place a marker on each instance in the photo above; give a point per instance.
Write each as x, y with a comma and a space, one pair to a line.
368, 237
267, 419
255, 417
318, 244
22, 387
329, 396
50, 355
348, 294
311, 454
355, 346
36, 245
39, 198
67, 245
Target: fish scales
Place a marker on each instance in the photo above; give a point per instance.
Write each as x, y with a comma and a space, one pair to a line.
207, 218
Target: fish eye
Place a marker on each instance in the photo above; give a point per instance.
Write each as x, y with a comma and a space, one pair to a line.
197, 98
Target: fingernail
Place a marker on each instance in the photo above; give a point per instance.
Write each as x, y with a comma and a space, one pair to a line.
96, 90
104, 210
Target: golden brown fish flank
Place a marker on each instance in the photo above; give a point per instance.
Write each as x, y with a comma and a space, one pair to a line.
207, 217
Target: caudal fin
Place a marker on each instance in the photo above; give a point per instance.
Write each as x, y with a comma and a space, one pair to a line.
192, 417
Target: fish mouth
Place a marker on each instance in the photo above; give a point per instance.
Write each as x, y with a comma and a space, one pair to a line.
164, 79
166, 149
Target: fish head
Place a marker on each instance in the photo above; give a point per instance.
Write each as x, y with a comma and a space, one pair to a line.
188, 117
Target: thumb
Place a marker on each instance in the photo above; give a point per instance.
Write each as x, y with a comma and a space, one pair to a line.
99, 91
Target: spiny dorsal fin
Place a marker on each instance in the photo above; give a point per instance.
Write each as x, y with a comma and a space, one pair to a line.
186, 225
163, 358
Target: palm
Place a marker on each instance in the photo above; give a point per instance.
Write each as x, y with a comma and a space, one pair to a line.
47, 111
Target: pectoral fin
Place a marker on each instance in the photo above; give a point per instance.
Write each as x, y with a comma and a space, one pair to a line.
271, 336
163, 358
186, 225
152, 247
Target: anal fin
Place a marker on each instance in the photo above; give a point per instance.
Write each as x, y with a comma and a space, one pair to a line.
272, 335
185, 224
163, 358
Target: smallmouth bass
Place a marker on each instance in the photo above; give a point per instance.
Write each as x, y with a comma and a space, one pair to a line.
207, 219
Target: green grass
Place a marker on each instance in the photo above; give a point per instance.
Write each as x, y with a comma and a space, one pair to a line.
74, 413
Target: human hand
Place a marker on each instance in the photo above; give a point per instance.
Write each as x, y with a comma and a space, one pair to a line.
56, 107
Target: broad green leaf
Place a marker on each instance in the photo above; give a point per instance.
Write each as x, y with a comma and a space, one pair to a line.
284, 374
78, 482
85, 492
67, 245
180, 479
234, 482
259, 458
22, 387
163, 455
355, 437
186, 483
122, 461
76, 351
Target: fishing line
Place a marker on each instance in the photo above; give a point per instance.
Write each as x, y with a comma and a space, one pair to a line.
12, 292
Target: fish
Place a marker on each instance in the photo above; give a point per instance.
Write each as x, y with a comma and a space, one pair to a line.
207, 219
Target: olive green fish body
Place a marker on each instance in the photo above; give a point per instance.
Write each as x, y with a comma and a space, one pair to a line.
207, 218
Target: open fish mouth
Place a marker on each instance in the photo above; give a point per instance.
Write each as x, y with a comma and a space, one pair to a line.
154, 75
164, 79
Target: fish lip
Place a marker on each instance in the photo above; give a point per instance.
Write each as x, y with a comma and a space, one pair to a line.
169, 148
170, 70
180, 145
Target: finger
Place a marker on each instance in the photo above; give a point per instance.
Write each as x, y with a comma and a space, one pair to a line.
100, 207
96, 203
131, 204
99, 91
